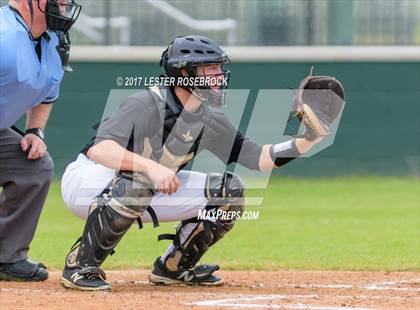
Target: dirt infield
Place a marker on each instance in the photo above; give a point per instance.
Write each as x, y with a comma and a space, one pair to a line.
243, 289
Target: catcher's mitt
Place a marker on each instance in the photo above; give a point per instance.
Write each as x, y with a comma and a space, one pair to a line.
317, 103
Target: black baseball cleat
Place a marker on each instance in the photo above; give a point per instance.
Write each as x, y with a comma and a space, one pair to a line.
200, 275
84, 279
24, 270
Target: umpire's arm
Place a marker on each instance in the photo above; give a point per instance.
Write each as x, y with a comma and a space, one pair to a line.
36, 117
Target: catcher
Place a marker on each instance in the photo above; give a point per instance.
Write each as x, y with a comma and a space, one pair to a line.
133, 169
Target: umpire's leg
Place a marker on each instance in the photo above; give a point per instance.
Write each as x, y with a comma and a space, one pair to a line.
23, 189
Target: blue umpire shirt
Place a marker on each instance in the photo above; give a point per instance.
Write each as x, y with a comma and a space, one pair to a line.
25, 80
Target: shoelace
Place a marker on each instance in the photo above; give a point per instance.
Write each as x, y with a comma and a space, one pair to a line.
93, 273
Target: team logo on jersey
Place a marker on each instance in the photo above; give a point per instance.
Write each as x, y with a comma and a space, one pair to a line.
187, 136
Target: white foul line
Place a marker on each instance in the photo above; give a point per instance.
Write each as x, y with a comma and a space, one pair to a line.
233, 303
372, 286
386, 285
236, 302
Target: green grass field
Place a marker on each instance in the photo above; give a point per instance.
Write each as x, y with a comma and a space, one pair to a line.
356, 223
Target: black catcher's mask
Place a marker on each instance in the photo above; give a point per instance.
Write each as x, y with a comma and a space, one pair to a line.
60, 16
189, 52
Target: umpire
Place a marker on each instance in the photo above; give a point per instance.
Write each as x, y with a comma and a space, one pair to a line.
33, 36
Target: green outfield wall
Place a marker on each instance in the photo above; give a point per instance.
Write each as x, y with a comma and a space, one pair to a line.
379, 131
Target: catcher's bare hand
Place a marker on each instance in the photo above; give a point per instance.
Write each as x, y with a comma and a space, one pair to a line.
164, 179
35, 145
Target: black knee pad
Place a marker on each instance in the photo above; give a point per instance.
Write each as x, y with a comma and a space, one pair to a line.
130, 194
223, 189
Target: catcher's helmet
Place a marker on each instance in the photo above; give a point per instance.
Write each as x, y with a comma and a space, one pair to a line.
187, 53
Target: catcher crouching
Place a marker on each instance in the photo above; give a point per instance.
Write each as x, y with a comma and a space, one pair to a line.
133, 169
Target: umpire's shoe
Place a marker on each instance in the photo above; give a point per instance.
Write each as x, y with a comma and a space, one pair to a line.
200, 275
84, 279
24, 270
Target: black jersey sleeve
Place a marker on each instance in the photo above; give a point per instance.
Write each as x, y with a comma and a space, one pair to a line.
133, 121
230, 145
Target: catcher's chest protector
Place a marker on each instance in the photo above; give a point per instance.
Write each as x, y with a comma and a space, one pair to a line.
178, 138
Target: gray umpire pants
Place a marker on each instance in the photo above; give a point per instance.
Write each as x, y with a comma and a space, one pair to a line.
23, 189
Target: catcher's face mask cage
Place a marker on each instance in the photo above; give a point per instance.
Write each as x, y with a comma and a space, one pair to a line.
190, 52
61, 14
213, 94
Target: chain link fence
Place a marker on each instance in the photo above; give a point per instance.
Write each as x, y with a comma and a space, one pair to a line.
249, 22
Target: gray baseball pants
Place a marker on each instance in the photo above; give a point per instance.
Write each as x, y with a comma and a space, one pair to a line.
23, 189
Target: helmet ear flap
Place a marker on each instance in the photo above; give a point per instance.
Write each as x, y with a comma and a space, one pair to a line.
165, 53
162, 57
